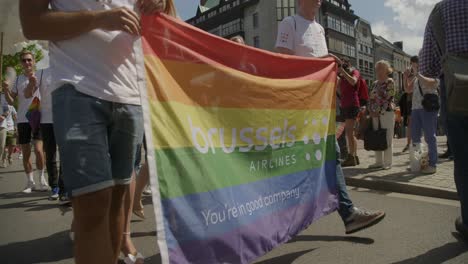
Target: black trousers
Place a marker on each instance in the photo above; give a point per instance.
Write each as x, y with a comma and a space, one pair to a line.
50, 149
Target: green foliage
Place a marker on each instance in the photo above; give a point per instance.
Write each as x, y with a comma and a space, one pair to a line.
14, 60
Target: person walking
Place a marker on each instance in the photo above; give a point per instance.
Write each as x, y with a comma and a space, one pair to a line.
26, 133
301, 35
445, 52
47, 133
382, 111
424, 120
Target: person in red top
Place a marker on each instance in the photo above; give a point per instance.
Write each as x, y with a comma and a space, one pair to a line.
350, 107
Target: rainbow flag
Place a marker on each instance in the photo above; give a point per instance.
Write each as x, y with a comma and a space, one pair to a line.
241, 143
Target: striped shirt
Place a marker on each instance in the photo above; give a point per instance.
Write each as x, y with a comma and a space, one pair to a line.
455, 25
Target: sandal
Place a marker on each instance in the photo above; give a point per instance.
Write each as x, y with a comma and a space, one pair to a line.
132, 258
140, 214
138, 211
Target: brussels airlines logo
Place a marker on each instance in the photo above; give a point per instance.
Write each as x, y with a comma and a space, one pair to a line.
277, 137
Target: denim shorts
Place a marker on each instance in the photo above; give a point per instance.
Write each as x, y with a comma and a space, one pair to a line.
97, 140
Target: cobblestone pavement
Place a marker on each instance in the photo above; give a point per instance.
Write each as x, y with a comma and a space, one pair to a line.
443, 179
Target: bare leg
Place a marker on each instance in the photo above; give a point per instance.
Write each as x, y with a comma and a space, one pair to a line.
127, 246
93, 243
117, 219
352, 142
408, 132
40, 157
26, 150
141, 182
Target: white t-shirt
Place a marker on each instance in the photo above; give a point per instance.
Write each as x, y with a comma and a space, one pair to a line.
20, 85
4, 109
100, 63
418, 97
45, 90
10, 123
304, 37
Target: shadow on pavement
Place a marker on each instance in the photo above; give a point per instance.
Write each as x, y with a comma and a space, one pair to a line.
8, 172
440, 254
156, 259
288, 258
144, 234
19, 195
30, 205
358, 240
53, 248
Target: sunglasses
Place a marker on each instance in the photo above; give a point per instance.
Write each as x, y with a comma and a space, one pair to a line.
26, 60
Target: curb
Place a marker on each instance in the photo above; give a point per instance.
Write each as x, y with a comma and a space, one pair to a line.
406, 188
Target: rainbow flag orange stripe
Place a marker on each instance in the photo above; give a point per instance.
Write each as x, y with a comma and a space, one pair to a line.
241, 143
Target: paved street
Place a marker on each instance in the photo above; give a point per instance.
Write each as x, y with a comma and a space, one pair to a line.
416, 230
442, 181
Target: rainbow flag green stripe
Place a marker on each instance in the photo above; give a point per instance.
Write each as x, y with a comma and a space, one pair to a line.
189, 168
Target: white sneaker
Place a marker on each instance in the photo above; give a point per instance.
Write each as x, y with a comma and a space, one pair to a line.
29, 187
44, 187
429, 170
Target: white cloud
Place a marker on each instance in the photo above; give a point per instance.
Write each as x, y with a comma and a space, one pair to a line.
410, 17
412, 42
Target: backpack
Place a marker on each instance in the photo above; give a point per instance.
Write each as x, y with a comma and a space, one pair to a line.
454, 68
363, 91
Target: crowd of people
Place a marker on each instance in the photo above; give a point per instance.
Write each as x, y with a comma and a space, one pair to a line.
91, 112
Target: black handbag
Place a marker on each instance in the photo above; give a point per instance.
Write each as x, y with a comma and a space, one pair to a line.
375, 140
430, 102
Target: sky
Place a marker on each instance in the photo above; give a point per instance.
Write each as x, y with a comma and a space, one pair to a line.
396, 20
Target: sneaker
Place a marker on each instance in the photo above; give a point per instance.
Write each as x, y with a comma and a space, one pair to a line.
429, 170
361, 219
461, 228
30, 186
4, 164
64, 200
44, 187
405, 149
375, 166
20, 156
147, 190
349, 162
386, 167
55, 194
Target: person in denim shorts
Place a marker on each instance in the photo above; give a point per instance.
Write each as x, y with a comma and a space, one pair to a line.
97, 64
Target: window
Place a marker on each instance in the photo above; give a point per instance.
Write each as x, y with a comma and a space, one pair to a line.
256, 41
360, 63
285, 8
365, 33
334, 23
255, 20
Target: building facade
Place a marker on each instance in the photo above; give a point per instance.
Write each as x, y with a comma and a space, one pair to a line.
338, 19
365, 50
346, 34
257, 21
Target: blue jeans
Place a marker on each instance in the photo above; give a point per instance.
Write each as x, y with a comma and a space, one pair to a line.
346, 206
97, 140
458, 128
421, 120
